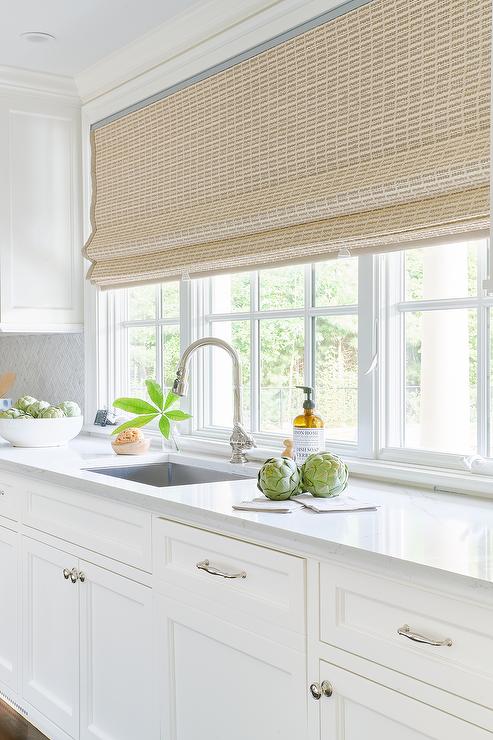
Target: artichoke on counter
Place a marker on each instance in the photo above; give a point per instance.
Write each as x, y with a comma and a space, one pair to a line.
279, 478
324, 475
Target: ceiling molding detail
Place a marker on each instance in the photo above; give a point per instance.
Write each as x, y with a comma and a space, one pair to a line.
16, 78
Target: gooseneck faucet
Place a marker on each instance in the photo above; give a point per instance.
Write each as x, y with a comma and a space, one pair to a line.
240, 439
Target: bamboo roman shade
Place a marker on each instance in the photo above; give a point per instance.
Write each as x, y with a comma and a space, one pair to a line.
368, 132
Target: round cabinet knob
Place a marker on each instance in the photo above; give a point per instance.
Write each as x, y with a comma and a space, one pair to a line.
66, 573
2, 493
326, 688
82, 577
316, 691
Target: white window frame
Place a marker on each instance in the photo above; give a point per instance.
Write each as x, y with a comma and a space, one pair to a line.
370, 455
391, 380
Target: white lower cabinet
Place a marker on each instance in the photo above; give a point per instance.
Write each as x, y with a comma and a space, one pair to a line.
87, 643
360, 709
9, 608
116, 649
51, 635
224, 682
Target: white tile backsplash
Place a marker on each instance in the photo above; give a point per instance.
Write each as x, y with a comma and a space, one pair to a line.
48, 366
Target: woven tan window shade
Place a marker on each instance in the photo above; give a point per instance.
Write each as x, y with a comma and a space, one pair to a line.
370, 131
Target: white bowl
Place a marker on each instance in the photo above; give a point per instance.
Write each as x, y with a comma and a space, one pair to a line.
40, 432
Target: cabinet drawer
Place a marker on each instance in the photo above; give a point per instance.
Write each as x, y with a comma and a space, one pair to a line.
362, 613
10, 498
107, 527
257, 583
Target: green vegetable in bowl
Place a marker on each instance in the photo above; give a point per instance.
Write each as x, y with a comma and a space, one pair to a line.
279, 478
37, 408
12, 413
70, 408
52, 412
23, 403
324, 475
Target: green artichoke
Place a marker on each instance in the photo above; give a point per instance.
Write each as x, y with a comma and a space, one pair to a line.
70, 408
37, 408
52, 413
324, 474
12, 413
23, 403
279, 478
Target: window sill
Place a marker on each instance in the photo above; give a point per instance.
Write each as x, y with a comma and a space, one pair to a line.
436, 479
440, 480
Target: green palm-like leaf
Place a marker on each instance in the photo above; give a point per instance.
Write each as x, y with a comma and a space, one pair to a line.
177, 415
164, 426
138, 421
155, 393
135, 406
171, 398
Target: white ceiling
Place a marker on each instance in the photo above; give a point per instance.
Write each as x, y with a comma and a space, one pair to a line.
85, 30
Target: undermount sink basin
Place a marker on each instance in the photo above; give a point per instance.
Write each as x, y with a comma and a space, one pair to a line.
166, 474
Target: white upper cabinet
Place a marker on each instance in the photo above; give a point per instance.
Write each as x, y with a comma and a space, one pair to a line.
40, 213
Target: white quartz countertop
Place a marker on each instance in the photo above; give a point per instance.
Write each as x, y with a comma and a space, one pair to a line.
448, 532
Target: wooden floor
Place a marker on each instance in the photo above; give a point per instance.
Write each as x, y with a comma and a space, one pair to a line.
15, 727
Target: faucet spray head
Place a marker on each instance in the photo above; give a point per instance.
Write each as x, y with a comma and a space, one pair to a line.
180, 386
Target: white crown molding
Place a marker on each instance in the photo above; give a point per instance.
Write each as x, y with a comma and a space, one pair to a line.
203, 37
16, 78
161, 44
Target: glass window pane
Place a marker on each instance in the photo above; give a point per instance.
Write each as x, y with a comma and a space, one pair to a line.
170, 300
336, 375
237, 333
142, 303
171, 354
441, 380
141, 358
281, 369
446, 271
282, 288
336, 282
230, 293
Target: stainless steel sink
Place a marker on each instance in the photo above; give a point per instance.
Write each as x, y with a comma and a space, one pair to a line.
166, 474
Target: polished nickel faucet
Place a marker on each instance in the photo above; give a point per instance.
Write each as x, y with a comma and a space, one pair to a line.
240, 439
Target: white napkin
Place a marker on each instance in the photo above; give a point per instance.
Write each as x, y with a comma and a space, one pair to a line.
305, 500
265, 504
338, 503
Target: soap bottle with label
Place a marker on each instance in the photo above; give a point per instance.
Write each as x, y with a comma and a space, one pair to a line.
308, 429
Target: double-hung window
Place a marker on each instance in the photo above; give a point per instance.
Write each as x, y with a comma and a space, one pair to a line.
292, 326
437, 361
397, 347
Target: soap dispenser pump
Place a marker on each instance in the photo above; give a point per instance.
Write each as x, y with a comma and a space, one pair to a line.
308, 429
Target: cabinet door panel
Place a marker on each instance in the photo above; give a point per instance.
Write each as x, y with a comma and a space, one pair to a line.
8, 608
360, 709
225, 682
117, 690
40, 280
51, 635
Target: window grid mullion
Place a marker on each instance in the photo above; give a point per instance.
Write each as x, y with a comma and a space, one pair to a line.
309, 348
483, 357
254, 355
482, 381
